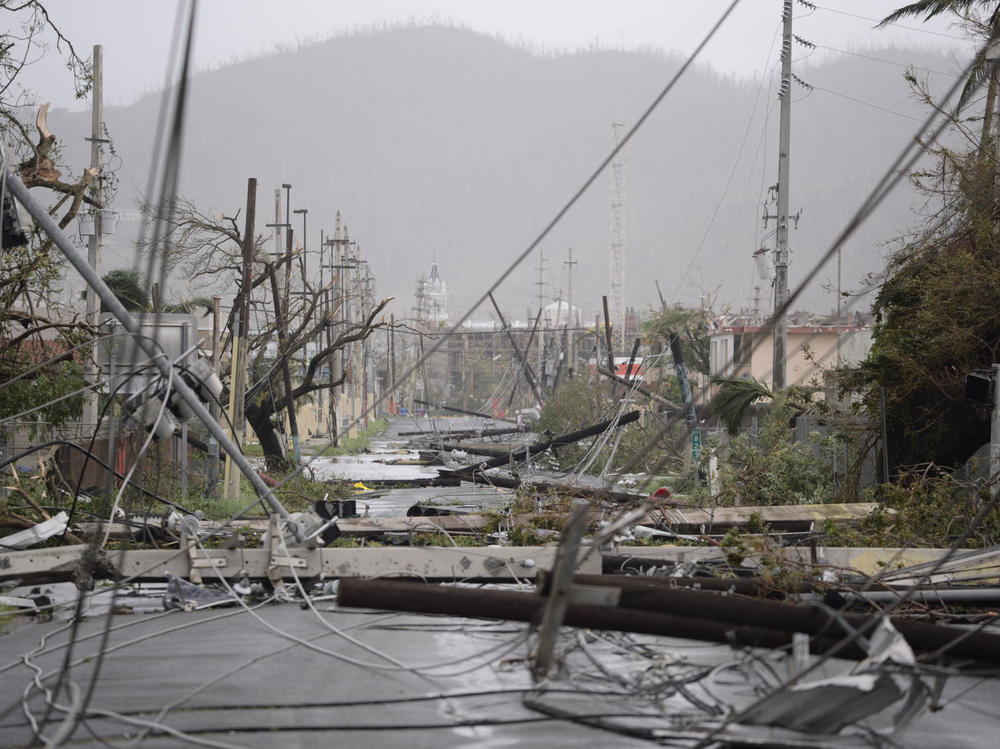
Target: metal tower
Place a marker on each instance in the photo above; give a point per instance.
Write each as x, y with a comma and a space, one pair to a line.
616, 280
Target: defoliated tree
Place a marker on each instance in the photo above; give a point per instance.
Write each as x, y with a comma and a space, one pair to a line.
33, 328
208, 250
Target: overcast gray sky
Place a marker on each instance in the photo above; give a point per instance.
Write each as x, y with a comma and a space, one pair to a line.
137, 35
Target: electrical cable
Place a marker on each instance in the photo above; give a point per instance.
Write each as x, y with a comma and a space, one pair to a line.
688, 62
887, 62
736, 163
878, 21
867, 103
99, 461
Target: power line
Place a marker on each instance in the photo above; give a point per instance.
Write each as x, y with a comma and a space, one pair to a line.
884, 61
566, 207
897, 25
867, 103
736, 163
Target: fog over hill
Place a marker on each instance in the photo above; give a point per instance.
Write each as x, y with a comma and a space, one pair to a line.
441, 143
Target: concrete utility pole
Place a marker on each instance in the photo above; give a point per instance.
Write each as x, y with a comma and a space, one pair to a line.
781, 252
569, 263
94, 243
541, 328
616, 279
212, 477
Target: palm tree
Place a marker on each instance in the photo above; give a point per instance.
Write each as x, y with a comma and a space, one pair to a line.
984, 68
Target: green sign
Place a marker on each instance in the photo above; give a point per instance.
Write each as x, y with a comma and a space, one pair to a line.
695, 442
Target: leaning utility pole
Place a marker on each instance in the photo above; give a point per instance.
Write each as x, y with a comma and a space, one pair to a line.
94, 244
780, 335
283, 355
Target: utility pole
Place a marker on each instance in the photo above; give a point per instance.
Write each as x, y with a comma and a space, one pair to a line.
522, 360
616, 279
241, 327
212, 479
330, 359
94, 243
279, 322
569, 263
780, 335
541, 329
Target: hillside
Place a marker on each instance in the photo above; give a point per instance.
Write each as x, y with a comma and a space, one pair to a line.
442, 143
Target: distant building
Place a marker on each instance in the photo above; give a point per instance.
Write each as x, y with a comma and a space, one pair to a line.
748, 351
558, 314
432, 297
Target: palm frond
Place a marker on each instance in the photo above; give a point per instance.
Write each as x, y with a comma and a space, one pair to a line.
929, 8
735, 397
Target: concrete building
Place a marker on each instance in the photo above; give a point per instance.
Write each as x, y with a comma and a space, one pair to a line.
739, 350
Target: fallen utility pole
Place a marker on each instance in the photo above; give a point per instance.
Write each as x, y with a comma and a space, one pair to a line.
638, 593
516, 606
539, 447
639, 388
558, 594
527, 607
527, 349
114, 306
450, 408
463, 433
587, 492
521, 359
607, 335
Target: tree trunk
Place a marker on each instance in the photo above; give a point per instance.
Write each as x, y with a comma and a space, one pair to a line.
259, 420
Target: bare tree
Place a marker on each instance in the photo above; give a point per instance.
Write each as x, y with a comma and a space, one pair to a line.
208, 251
30, 328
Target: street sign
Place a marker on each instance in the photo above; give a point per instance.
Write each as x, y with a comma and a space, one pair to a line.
695, 443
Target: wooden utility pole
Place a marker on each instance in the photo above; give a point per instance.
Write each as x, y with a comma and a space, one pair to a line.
781, 251
94, 243
241, 328
283, 356
525, 366
293, 426
607, 335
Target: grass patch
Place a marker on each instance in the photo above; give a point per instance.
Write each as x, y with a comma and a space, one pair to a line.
349, 445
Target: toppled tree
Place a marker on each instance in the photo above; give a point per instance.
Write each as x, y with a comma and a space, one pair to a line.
208, 250
39, 358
